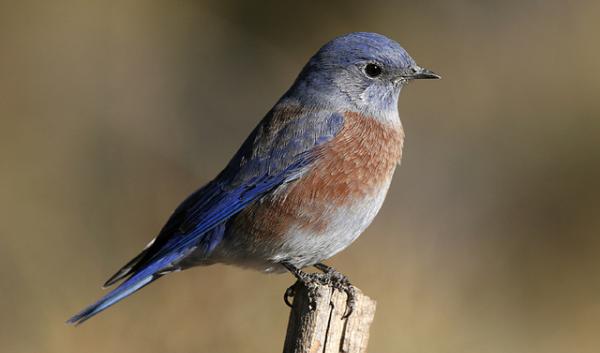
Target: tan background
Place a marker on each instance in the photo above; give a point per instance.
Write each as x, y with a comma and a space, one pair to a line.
112, 112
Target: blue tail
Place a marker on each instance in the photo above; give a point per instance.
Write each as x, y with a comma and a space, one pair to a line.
127, 288
134, 283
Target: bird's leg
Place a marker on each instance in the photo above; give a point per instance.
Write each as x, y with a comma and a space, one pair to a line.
340, 282
308, 279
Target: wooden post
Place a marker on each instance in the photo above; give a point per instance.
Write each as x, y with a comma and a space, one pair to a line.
322, 329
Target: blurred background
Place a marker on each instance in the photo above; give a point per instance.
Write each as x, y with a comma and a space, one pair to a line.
112, 111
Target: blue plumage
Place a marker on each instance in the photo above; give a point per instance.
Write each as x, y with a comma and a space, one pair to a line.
193, 223
221, 222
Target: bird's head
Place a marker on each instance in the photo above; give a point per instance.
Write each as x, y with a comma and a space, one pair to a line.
363, 70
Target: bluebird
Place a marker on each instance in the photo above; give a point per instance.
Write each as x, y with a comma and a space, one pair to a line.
303, 186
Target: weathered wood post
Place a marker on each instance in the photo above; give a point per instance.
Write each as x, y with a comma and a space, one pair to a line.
322, 329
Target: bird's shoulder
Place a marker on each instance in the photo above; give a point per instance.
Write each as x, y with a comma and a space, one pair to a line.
289, 134
279, 150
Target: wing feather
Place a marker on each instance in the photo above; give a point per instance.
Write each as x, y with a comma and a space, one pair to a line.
278, 151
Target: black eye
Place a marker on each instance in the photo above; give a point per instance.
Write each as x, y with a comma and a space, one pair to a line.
373, 70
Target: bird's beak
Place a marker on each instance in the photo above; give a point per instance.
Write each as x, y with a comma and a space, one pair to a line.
419, 73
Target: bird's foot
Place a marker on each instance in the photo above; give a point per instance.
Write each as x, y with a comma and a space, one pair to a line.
309, 280
290, 293
340, 282
329, 277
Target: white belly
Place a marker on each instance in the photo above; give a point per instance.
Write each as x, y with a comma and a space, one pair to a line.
302, 247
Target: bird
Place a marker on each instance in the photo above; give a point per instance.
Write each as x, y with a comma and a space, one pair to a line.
307, 181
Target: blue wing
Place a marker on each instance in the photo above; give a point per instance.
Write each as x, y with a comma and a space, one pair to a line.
279, 150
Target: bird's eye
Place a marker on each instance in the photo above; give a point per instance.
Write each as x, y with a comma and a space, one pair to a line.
373, 70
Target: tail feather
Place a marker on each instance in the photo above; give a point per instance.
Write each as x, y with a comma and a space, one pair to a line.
125, 270
139, 278
127, 288
137, 281
130, 267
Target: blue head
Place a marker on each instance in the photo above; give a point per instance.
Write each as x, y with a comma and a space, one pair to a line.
364, 71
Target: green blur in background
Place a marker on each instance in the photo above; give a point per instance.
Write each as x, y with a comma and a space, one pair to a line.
112, 112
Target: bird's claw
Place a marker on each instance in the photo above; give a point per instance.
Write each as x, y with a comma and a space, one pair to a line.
340, 282
310, 284
289, 293
329, 277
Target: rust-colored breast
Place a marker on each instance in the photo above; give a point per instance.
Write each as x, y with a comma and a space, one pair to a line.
354, 165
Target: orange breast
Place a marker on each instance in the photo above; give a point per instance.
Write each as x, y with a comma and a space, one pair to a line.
354, 165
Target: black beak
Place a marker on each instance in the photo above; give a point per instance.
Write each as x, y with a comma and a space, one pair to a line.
419, 73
